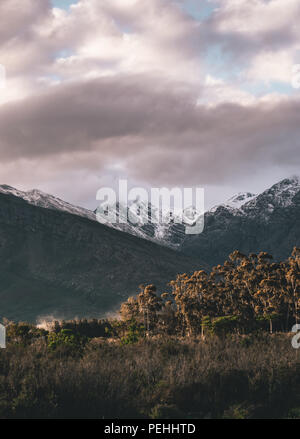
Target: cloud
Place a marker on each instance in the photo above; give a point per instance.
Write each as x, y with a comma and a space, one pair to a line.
258, 35
155, 129
19, 22
146, 88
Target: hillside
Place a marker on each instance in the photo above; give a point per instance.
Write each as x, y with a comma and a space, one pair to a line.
60, 264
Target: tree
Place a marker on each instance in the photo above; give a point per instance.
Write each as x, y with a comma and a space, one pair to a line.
149, 305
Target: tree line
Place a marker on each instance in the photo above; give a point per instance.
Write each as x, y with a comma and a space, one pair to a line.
246, 293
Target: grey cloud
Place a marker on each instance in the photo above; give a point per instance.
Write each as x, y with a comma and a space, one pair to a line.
17, 20
240, 47
154, 128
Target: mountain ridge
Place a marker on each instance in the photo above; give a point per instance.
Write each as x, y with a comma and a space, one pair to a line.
172, 234
268, 222
57, 263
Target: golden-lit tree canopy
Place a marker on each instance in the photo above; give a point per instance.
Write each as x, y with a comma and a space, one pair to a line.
242, 294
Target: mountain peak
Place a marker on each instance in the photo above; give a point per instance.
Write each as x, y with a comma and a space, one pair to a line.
268, 222
287, 184
236, 201
240, 199
284, 191
6, 187
37, 192
280, 195
171, 233
39, 198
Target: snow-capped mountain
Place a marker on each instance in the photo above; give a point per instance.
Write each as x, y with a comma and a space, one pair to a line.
269, 222
280, 195
237, 201
261, 206
244, 204
169, 231
56, 261
144, 221
41, 199
61, 264
140, 223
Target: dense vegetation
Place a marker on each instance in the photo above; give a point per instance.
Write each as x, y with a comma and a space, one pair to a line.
201, 350
236, 377
245, 294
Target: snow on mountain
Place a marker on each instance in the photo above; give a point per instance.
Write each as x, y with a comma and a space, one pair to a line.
279, 195
268, 222
263, 205
120, 212
237, 201
144, 222
167, 234
169, 231
41, 199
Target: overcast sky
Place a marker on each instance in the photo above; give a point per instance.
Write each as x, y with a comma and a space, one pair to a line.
162, 92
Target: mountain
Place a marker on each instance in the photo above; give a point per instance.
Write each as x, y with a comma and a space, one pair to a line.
168, 232
41, 199
237, 201
56, 261
268, 222
247, 221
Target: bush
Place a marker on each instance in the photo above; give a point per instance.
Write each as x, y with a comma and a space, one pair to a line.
24, 333
161, 411
65, 376
66, 339
136, 331
238, 411
294, 413
222, 326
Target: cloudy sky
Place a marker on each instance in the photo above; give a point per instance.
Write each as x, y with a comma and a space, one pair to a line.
162, 92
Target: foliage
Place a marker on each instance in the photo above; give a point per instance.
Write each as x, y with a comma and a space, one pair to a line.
135, 332
66, 339
155, 378
23, 333
212, 347
224, 325
244, 295
164, 411
86, 328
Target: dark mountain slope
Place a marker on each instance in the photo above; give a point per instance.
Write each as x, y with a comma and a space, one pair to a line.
54, 262
269, 222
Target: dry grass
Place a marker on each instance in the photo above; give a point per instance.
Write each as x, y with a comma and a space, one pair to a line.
250, 376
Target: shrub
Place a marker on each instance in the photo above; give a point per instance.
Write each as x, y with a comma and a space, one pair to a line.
161, 411
136, 331
66, 339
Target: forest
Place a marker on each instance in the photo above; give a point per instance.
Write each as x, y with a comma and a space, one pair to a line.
213, 345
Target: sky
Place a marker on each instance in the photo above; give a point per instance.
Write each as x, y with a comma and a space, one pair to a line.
160, 92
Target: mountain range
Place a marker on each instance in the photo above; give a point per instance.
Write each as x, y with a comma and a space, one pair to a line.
57, 260
250, 223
